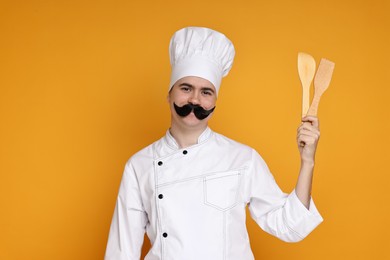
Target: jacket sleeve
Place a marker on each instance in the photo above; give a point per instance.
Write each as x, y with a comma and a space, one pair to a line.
280, 214
129, 220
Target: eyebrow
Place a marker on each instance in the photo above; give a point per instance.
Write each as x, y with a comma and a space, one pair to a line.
186, 84
191, 86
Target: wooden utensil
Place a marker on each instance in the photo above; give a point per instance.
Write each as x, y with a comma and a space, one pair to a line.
306, 71
321, 83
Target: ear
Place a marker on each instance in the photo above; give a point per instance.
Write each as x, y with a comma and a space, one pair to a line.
169, 95
169, 98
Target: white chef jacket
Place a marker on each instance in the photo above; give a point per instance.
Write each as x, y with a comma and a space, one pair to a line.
191, 202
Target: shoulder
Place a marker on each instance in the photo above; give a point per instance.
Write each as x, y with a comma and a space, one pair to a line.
233, 144
235, 148
241, 148
145, 154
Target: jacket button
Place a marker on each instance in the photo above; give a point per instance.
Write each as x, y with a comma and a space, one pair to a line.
160, 163
160, 196
165, 234
185, 152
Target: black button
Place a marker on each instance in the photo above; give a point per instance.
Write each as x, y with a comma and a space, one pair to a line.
165, 234
185, 152
160, 163
160, 196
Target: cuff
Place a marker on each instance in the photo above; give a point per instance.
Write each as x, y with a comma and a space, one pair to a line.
300, 219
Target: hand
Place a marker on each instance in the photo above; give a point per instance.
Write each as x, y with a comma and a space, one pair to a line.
308, 135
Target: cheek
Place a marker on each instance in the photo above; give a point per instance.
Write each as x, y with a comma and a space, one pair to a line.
180, 101
172, 98
210, 103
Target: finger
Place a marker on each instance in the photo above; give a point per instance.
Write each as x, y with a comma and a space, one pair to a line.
306, 140
310, 129
308, 134
313, 120
306, 126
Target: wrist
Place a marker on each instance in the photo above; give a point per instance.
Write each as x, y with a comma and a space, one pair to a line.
307, 163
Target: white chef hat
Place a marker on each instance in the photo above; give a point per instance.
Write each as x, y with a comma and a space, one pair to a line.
200, 52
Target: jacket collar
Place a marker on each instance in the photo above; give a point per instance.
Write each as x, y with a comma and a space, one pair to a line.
170, 140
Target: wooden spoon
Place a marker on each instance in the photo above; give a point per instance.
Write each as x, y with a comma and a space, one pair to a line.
306, 70
321, 83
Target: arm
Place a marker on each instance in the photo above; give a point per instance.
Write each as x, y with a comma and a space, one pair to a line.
129, 221
307, 139
282, 215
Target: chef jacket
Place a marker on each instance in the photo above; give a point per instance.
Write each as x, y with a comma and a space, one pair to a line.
191, 202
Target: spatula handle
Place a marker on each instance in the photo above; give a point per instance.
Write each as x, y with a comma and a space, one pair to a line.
314, 106
305, 101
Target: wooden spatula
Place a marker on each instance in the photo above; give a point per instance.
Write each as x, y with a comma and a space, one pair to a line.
306, 71
321, 83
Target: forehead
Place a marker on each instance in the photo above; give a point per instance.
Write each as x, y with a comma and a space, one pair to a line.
196, 82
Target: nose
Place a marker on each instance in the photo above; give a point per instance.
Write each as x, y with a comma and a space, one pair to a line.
194, 98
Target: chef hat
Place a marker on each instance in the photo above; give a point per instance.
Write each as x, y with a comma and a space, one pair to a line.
200, 52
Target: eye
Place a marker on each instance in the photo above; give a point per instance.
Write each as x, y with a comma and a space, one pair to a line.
185, 89
207, 92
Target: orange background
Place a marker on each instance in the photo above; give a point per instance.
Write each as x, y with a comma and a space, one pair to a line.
76, 77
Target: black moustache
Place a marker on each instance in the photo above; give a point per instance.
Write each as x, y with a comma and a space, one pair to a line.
199, 111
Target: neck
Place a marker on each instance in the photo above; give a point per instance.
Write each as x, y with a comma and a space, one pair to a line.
184, 136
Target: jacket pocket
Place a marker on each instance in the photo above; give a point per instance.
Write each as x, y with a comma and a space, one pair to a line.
221, 189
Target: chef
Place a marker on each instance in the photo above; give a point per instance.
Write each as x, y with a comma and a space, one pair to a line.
189, 190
